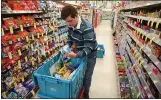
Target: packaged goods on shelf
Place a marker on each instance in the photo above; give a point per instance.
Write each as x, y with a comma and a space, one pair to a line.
28, 40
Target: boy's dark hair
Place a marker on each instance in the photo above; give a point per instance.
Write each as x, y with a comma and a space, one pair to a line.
68, 11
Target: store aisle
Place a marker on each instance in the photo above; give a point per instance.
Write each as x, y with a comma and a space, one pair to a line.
104, 84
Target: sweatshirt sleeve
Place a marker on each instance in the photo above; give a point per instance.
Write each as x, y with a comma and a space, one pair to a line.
90, 43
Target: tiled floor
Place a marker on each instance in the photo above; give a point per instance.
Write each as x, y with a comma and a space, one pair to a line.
104, 84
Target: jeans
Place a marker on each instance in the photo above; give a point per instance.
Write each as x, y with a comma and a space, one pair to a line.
88, 74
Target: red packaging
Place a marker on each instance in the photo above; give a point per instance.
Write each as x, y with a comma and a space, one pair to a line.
17, 46
14, 38
40, 30
9, 22
31, 5
6, 38
5, 66
18, 6
5, 60
7, 49
25, 6
25, 20
155, 70
41, 40
146, 28
31, 20
18, 21
46, 48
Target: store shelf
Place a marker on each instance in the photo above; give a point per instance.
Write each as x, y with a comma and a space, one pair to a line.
20, 12
157, 40
118, 80
149, 71
147, 67
148, 53
41, 17
146, 50
150, 4
145, 18
142, 79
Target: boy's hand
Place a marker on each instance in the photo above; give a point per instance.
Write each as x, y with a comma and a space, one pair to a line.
71, 54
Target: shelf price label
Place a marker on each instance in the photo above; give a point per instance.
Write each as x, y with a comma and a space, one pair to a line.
141, 21
4, 95
141, 48
150, 42
148, 22
139, 58
33, 38
142, 36
38, 35
141, 63
47, 43
135, 51
33, 93
138, 95
33, 63
32, 46
38, 52
39, 59
19, 52
21, 27
22, 79
46, 32
156, 27
11, 29
10, 55
49, 24
157, 24
2, 31
19, 63
34, 25
26, 59
152, 23
27, 38
147, 37
15, 84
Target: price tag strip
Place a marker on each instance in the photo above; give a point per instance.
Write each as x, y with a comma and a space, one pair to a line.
4, 95
21, 27
147, 37
34, 25
15, 84
26, 59
157, 24
11, 29
2, 32
33, 63
33, 93
33, 38
141, 63
10, 55
152, 23
22, 79
27, 38
141, 48
150, 42
19, 52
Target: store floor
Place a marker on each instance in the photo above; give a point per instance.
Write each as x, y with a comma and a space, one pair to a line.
104, 84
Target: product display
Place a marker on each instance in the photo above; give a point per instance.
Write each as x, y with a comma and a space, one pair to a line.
139, 28
36, 60
27, 41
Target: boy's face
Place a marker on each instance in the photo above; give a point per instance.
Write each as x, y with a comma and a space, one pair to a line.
72, 22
